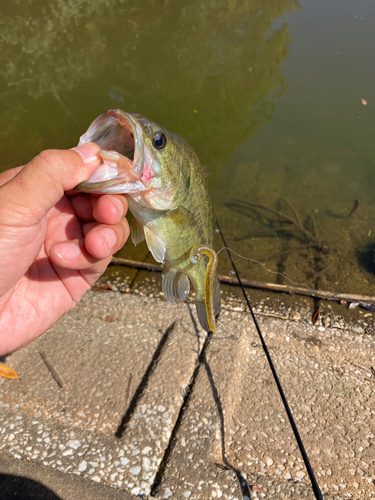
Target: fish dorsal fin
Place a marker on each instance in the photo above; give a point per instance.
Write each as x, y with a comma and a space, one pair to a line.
155, 245
176, 285
137, 231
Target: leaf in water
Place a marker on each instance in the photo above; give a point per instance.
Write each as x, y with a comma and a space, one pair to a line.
354, 207
316, 316
8, 372
364, 102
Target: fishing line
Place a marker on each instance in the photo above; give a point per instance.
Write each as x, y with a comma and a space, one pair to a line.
314, 484
268, 270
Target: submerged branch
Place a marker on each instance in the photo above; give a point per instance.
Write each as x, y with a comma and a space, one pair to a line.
296, 223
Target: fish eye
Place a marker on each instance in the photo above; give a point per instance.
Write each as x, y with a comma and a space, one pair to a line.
159, 140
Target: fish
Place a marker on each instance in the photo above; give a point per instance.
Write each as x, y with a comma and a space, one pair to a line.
167, 191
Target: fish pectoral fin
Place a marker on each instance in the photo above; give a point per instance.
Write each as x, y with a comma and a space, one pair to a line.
181, 216
175, 285
137, 231
155, 245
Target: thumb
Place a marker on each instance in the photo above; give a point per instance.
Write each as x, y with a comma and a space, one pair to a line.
42, 182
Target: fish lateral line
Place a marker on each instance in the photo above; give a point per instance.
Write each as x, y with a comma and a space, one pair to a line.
195, 256
268, 270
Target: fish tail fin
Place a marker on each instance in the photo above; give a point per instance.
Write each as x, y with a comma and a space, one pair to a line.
175, 285
202, 313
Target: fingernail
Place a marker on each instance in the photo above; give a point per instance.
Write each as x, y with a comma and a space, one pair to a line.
88, 152
119, 206
109, 238
67, 251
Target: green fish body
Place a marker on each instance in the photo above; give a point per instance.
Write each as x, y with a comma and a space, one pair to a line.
167, 192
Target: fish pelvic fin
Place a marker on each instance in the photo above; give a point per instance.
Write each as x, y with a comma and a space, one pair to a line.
137, 232
155, 245
175, 285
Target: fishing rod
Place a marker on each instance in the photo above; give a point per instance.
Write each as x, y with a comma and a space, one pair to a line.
314, 483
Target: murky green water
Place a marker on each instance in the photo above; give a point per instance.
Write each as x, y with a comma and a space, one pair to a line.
269, 94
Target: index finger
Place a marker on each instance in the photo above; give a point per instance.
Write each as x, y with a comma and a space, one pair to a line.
106, 209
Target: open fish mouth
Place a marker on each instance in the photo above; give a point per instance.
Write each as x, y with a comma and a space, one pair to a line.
120, 138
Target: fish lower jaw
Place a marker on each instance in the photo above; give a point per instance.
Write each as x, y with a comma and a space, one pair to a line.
111, 186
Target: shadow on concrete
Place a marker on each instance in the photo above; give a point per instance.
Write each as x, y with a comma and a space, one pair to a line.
22, 488
225, 465
141, 387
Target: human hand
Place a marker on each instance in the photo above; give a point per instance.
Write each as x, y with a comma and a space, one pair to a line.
54, 243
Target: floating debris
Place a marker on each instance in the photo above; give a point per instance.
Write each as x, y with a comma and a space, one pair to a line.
354, 208
368, 306
353, 305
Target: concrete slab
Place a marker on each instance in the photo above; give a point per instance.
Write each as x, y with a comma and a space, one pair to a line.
23, 480
236, 423
113, 420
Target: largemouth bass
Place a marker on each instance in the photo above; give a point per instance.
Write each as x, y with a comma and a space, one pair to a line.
166, 188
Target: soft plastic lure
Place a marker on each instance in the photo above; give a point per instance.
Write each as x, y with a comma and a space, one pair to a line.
195, 256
